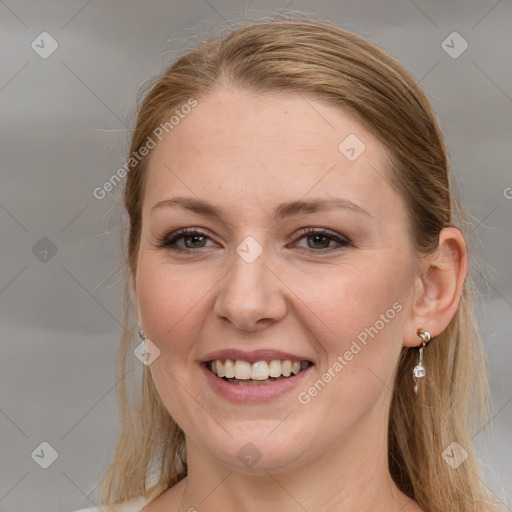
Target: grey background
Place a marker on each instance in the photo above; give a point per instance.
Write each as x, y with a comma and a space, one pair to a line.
65, 122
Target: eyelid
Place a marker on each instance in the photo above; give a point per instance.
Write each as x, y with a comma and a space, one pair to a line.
323, 231
340, 239
168, 240
171, 238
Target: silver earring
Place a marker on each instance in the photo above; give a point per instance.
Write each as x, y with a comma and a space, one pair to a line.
419, 369
145, 354
150, 352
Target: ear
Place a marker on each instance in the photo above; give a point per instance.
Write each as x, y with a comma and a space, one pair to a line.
438, 288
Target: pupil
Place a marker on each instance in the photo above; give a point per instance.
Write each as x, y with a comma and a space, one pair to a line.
194, 241
319, 238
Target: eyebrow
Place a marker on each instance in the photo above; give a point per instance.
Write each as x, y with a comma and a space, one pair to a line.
283, 210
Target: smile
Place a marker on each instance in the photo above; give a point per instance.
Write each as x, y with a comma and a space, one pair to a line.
240, 372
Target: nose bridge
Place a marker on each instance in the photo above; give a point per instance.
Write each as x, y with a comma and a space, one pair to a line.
250, 294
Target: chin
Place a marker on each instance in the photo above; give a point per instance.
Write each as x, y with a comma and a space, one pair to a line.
258, 450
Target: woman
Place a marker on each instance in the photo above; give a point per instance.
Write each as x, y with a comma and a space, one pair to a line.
297, 273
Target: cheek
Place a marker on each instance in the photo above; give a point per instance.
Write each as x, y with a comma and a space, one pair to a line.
172, 303
345, 301
356, 321
356, 317
170, 299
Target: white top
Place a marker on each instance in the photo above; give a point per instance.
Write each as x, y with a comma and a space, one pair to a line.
129, 506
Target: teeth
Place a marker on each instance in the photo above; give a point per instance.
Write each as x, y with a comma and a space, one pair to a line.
286, 368
229, 369
242, 370
260, 370
275, 368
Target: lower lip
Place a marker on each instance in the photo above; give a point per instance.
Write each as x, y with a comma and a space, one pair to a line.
256, 392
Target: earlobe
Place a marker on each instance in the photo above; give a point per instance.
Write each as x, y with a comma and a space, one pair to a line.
437, 295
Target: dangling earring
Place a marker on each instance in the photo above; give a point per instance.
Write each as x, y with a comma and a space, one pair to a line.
419, 369
145, 354
150, 351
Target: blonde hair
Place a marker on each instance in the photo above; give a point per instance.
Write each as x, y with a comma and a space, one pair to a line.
308, 56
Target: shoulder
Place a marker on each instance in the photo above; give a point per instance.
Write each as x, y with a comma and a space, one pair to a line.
129, 506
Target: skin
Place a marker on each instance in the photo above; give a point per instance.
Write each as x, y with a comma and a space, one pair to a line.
246, 153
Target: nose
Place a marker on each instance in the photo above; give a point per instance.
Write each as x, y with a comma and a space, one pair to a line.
251, 295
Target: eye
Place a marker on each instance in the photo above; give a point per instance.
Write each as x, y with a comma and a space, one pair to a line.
321, 240
191, 238
317, 240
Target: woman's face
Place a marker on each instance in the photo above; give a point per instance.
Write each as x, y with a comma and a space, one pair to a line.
298, 254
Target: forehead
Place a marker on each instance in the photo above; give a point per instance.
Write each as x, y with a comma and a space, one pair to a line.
249, 148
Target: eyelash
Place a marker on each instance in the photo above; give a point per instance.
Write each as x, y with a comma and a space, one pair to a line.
168, 242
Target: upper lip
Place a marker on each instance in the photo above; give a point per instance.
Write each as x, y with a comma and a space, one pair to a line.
253, 356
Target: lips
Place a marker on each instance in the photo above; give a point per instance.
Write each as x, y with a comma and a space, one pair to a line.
247, 391
261, 368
